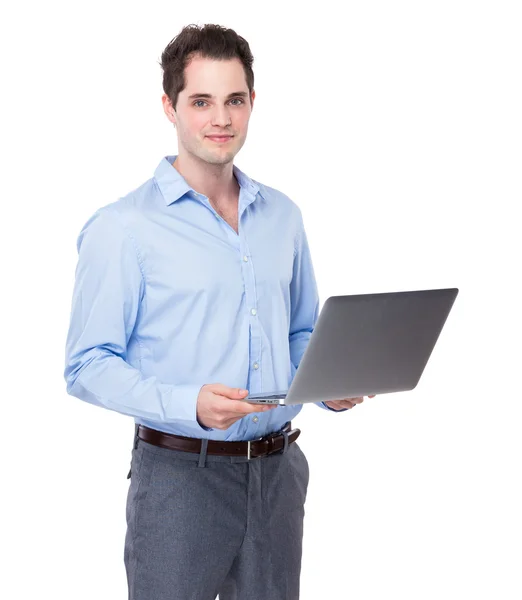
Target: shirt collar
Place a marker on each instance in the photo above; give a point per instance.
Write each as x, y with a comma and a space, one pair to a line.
173, 185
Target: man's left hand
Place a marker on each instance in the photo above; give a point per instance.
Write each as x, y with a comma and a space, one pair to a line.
346, 402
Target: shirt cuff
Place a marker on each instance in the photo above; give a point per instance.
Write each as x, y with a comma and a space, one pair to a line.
183, 403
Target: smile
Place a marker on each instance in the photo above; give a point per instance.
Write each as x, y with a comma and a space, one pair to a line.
219, 138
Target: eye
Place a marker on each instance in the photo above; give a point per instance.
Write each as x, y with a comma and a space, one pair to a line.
199, 106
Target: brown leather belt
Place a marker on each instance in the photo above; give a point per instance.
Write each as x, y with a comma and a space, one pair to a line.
273, 442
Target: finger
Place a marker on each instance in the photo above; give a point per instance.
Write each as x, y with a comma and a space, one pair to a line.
348, 402
335, 405
343, 404
242, 407
354, 400
238, 397
231, 393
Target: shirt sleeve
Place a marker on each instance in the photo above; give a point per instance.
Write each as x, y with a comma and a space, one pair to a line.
108, 289
304, 298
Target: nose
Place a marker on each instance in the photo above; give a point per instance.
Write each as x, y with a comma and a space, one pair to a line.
221, 117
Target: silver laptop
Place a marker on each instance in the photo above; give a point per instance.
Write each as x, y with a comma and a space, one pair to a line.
367, 344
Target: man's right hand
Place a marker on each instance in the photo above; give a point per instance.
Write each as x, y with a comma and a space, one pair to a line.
219, 406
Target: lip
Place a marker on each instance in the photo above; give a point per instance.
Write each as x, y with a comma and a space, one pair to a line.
220, 138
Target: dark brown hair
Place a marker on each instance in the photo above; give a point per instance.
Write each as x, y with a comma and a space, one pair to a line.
207, 41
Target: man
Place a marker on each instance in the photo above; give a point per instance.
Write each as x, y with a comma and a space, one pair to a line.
196, 284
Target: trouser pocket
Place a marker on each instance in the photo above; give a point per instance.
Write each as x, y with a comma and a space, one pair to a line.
134, 446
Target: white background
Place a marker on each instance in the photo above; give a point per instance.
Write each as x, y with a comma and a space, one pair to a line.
396, 127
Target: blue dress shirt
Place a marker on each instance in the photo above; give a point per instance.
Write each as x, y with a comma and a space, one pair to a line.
168, 297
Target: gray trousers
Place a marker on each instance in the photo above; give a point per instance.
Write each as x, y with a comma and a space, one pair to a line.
200, 525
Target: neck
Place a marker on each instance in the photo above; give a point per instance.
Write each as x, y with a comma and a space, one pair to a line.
215, 181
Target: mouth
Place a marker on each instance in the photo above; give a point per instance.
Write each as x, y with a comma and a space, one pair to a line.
220, 139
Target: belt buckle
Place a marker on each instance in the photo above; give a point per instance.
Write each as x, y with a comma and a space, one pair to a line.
249, 442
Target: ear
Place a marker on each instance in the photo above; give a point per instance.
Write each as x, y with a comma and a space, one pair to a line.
167, 108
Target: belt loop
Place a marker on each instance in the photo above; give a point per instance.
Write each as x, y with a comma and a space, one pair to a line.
203, 453
285, 447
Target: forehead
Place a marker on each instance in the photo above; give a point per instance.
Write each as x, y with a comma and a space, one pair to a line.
217, 77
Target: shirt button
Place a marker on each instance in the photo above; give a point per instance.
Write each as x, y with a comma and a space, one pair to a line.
254, 311
255, 365
245, 258
255, 419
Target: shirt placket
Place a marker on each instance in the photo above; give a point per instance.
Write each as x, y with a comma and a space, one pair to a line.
251, 304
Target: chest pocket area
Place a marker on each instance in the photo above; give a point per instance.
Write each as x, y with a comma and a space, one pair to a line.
274, 268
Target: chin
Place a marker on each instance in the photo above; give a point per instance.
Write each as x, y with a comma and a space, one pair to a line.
213, 156
218, 158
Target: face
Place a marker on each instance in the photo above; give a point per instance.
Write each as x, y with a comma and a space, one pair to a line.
215, 101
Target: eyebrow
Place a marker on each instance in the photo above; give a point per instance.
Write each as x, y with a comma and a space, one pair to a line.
243, 94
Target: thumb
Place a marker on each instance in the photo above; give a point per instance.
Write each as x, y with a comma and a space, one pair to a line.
229, 392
